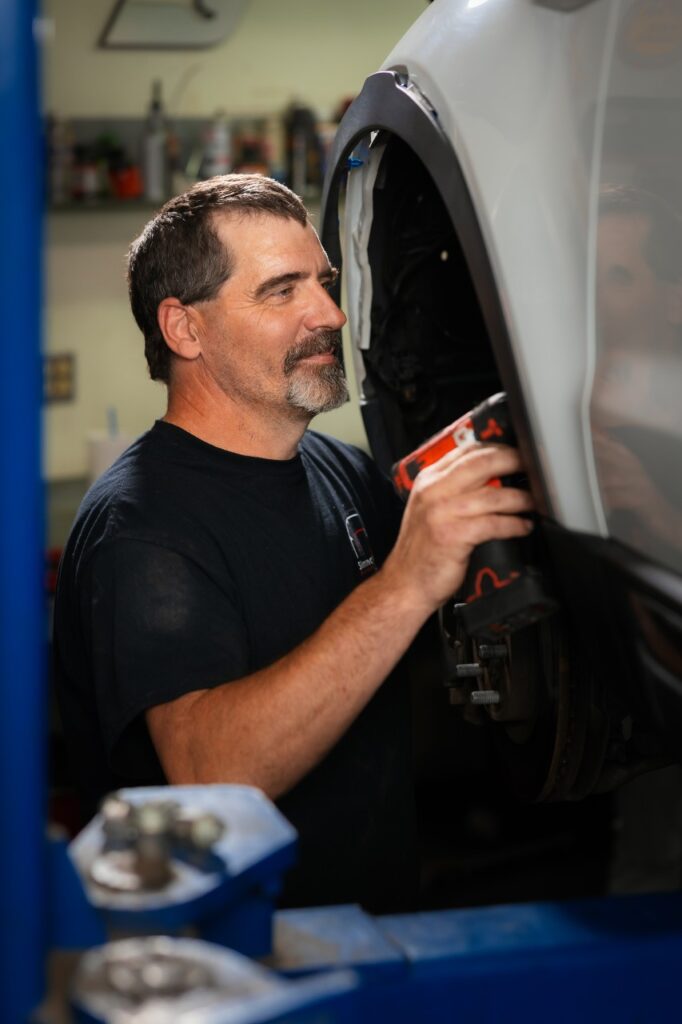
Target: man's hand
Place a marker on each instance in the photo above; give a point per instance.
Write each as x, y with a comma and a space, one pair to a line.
450, 511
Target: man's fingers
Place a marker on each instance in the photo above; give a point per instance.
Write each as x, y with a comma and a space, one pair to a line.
495, 527
458, 485
464, 519
468, 519
473, 467
502, 500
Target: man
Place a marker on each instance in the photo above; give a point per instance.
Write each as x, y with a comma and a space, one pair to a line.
229, 605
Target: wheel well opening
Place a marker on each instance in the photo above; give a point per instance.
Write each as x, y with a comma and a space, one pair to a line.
430, 358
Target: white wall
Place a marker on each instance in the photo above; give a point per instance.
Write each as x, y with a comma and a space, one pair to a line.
87, 313
315, 50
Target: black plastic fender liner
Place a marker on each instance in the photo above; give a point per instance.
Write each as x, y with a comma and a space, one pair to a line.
390, 102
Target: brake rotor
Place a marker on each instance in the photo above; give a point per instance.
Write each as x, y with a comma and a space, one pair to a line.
557, 752
542, 706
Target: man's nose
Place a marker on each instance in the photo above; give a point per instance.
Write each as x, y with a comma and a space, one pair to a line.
323, 312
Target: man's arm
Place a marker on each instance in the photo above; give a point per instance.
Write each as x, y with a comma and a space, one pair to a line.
270, 728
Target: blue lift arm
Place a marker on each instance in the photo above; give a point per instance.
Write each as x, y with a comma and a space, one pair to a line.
22, 612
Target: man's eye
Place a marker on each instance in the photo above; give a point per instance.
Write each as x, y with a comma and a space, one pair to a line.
284, 292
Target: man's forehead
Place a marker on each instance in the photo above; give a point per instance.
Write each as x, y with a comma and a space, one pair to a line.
244, 230
262, 246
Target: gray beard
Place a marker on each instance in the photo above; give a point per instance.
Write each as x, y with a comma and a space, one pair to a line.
316, 389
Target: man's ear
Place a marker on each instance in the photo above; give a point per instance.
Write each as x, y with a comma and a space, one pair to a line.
178, 325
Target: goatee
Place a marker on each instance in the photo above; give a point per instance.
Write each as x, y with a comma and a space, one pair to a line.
316, 388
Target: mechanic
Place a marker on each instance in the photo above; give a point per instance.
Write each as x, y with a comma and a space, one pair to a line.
233, 596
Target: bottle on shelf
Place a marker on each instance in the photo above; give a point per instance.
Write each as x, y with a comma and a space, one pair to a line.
274, 147
60, 152
303, 150
218, 147
86, 181
155, 150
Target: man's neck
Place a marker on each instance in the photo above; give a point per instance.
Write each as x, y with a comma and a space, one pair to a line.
238, 428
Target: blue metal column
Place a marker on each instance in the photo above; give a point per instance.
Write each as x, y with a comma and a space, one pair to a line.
22, 615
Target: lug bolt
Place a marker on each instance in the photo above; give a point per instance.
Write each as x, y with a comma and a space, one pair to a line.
117, 821
115, 809
487, 651
206, 830
154, 818
485, 697
468, 671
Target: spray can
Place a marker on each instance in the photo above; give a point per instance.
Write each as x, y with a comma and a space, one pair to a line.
218, 148
154, 152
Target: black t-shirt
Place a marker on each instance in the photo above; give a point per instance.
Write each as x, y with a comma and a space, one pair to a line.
189, 566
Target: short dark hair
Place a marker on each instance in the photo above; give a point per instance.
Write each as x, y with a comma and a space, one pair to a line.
179, 253
663, 247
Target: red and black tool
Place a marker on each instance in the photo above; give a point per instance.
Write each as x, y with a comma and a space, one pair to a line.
504, 589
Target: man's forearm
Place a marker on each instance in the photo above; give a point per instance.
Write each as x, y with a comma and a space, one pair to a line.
270, 728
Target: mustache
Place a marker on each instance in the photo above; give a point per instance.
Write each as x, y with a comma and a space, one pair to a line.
314, 345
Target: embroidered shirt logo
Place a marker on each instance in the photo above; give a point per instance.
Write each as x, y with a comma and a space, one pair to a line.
357, 535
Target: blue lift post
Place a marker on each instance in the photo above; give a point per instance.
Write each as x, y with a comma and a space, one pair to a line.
22, 611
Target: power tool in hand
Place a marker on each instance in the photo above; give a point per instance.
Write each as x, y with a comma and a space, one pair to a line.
504, 589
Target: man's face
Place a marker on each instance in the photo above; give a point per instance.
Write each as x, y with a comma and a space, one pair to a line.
272, 336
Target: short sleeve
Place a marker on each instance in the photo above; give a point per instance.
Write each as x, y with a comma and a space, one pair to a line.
160, 628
